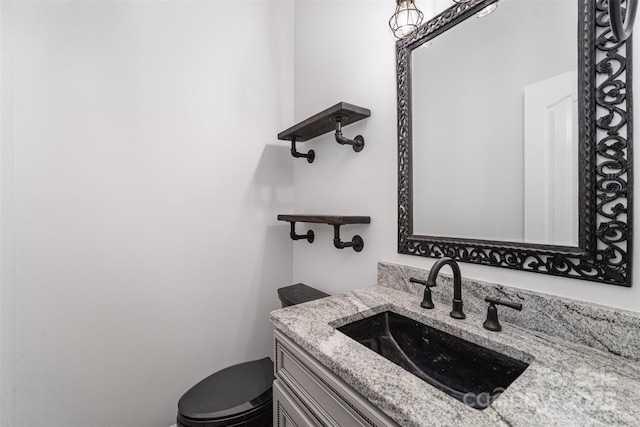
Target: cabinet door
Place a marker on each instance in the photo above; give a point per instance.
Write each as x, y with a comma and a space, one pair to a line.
286, 411
329, 399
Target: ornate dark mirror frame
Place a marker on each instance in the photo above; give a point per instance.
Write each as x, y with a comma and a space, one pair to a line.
605, 197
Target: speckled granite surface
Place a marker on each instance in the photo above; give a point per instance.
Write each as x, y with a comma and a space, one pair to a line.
567, 384
606, 328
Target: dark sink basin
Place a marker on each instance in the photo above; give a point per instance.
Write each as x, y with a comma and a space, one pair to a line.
472, 374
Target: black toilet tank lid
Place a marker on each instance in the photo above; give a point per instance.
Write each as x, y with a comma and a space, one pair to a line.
299, 293
232, 391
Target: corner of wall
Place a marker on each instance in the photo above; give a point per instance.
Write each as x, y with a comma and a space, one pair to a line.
7, 222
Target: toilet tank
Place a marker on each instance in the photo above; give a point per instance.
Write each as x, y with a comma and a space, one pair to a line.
299, 293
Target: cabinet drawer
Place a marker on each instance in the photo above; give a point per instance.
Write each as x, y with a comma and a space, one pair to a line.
331, 401
286, 411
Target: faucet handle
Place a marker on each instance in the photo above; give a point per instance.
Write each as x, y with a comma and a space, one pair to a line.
492, 323
427, 302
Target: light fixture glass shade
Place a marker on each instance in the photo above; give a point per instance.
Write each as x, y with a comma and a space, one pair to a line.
487, 10
406, 19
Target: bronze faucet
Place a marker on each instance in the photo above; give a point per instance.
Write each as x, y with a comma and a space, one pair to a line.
456, 313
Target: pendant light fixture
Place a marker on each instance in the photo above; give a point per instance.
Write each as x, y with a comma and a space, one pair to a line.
406, 19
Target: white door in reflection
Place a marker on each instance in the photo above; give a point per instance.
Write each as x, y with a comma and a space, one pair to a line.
551, 161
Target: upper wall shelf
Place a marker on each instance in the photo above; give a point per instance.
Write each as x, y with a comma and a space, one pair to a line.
323, 122
333, 118
356, 243
326, 219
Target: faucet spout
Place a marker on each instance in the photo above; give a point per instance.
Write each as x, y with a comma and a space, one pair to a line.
456, 312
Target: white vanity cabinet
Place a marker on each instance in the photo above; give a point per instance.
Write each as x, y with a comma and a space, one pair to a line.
305, 393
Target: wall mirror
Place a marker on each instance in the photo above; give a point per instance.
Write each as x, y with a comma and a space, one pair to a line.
514, 137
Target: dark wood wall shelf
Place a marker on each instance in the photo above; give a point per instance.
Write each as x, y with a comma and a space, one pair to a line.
333, 118
337, 221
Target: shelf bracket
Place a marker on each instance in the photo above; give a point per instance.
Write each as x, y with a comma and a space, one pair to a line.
357, 143
308, 237
356, 243
310, 156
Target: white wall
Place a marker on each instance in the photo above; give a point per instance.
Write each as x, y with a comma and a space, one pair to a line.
344, 51
7, 224
147, 182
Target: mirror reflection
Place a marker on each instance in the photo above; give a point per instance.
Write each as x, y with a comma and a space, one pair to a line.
494, 126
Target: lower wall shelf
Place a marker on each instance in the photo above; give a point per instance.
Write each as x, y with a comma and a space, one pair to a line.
336, 220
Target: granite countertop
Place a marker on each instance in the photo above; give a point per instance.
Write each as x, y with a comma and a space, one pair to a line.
566, 383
